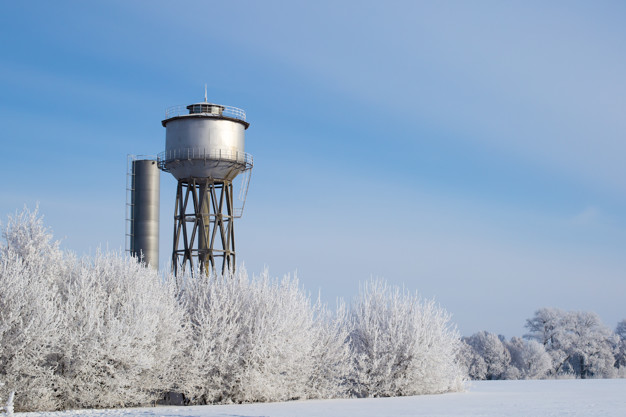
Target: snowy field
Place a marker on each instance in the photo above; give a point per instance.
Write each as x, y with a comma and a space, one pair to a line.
601, 397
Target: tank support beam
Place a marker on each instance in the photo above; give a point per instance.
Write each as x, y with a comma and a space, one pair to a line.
204, 236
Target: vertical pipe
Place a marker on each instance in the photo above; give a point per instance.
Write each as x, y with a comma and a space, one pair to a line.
144, 242
204, 217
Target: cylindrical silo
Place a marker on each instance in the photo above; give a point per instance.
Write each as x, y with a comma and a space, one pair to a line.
144, 224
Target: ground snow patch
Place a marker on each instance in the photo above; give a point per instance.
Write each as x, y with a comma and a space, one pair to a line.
584, 398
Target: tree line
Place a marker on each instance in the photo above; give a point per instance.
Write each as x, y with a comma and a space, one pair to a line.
558, 344
105, 331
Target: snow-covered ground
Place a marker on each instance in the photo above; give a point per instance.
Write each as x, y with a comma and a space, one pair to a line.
588, 398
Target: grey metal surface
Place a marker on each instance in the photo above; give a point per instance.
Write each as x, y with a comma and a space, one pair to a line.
144, 229
204, 145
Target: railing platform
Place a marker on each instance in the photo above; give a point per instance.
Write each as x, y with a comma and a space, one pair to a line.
227, 111
203, 154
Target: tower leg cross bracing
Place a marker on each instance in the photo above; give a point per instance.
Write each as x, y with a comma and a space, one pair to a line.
204, 237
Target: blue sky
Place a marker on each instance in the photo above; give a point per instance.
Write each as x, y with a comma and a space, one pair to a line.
472, 151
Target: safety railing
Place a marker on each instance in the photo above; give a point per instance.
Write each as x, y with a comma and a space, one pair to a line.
227, 111
205, 154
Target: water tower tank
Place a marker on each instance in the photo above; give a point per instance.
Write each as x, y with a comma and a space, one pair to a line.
205, 151
206, 142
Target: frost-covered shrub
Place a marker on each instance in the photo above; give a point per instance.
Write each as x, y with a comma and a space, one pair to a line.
31, 265
330, 353
256, 340
81, 333
401, 345
123, 327
107, 331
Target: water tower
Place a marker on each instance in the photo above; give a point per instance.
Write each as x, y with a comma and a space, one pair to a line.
204, 151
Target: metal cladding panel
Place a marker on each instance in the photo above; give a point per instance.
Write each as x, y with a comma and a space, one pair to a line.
200, 168
212, 147
145, 211
199, 132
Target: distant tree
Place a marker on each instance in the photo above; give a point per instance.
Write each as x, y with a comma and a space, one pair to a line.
577, 341
620, 330
474, 364
529, 359
494, 353
595, 347
620, 354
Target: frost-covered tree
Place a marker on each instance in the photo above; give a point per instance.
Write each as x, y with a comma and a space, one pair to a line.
493, 352
620, 356
279, 332
488, 356
577, 341
401, 344
620, 330
474, 363
594, 350
529, 359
